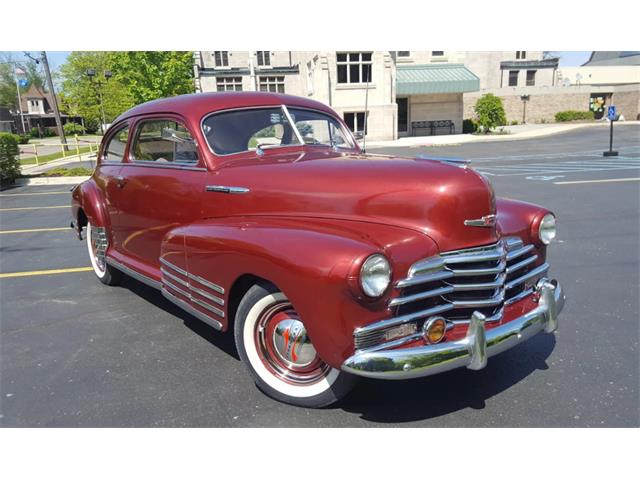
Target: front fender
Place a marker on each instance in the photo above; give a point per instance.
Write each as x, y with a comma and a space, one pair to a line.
315, 262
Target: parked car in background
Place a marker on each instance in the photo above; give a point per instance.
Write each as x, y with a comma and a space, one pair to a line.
259, 214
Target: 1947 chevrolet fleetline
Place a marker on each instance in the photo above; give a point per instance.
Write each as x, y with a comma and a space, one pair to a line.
259, 213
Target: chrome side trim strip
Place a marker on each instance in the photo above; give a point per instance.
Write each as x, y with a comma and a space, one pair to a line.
197, 301
211, 308
173, 267
226, 189
536, 271
188, 308
206, 283
217, 300
174, 278
132, 273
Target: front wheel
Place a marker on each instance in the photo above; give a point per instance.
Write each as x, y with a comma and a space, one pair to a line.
97, 245
273, 342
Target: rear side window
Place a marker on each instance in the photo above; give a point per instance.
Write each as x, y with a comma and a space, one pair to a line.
164, 141
114, 152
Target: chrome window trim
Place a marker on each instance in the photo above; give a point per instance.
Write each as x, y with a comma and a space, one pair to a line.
173, 267
261, 107
153, 164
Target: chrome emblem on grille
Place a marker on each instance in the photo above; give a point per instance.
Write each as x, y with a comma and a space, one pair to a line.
486, 221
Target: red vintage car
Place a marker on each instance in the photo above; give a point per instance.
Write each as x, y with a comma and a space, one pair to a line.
259, 213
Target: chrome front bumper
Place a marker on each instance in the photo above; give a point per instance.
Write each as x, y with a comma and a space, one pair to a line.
471, 351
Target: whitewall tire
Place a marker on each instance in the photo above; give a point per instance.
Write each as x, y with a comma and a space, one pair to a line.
273, 342
97, 245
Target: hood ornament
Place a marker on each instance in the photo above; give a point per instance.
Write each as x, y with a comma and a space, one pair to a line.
486, 221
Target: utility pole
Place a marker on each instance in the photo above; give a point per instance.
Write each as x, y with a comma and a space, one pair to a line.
56, 111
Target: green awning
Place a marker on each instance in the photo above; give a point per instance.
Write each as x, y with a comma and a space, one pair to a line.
440, 78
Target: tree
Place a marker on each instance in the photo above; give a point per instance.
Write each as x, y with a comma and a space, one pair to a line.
152, 75
81, 96
9, 163
490, 112
33, 74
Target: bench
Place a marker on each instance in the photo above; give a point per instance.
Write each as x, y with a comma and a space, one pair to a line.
433, 126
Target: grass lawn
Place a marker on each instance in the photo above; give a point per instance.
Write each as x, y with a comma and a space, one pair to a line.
52, 156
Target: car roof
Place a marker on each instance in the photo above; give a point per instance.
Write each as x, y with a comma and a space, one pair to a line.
194, 106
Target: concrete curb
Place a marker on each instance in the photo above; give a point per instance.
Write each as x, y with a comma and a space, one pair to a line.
50, 181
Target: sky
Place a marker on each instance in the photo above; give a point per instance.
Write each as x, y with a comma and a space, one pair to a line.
567, 59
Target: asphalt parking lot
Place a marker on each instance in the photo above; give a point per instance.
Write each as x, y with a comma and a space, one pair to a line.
76, 353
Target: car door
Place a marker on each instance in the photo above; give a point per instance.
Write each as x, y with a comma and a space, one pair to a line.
108, 170
162, 184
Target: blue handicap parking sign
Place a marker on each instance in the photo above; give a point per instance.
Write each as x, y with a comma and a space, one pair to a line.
611, 112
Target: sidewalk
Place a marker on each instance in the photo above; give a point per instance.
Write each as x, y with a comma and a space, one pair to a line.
517, 132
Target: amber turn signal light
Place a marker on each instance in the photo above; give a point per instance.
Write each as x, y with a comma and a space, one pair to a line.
434, 329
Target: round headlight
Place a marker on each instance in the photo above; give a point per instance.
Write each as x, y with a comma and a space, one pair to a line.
547, 230
375, 275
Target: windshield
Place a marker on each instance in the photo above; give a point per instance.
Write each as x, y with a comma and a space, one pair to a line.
244, 130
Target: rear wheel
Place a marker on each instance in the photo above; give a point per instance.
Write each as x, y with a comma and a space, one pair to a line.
97, 243
273, 342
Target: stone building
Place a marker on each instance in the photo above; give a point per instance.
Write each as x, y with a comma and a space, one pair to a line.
405, 92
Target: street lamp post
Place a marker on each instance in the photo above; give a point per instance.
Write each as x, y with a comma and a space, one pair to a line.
91, 73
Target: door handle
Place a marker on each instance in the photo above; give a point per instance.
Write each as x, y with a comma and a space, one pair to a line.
120, 181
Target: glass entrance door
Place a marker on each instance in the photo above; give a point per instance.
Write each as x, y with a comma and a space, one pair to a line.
403, 114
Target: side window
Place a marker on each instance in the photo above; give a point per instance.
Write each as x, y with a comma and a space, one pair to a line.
164, 141
114, 152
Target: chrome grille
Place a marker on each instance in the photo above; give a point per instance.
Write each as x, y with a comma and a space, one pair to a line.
455, 284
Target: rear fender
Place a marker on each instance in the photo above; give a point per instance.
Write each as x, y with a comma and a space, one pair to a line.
88, 198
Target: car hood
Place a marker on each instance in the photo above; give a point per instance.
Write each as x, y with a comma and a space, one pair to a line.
429, 196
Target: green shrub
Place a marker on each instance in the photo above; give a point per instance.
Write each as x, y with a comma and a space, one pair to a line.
490, 112
72, 128
50, 132
34, 132
9, 158
469, 125
24, 139
514, 122
571, 115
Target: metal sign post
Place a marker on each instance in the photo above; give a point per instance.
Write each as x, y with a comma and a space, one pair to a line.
612, 116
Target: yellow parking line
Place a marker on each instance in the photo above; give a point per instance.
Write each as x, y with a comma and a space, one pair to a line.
45, 272
35, 193
32, 230
31, 208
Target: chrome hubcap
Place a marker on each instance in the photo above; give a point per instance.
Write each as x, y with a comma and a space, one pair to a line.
292, 343
285, 348
98, 240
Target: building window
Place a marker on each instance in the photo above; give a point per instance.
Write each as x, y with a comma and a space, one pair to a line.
272, 84
403, 54
531, 78
221, 58
521, 55
354, 67
229, 84
264, 58
513, 78
355, 121
437, 53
